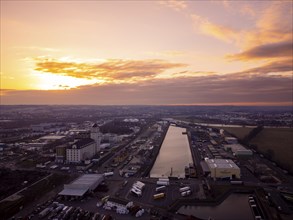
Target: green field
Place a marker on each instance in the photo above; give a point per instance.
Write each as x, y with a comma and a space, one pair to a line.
279, 143
276, 143
239, 132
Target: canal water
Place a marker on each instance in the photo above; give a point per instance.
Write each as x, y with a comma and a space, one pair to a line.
174, 155
236, 206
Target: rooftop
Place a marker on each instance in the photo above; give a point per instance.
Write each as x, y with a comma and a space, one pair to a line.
87, 179
81, 143
221, 163
81, 185
235, 147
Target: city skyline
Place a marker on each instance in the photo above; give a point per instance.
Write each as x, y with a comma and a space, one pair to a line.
149, 52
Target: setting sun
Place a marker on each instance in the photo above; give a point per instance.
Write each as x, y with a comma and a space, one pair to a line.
47, 81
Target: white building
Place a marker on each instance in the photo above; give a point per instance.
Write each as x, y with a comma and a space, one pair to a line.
96, 136
81, 150
223, 168
111, 138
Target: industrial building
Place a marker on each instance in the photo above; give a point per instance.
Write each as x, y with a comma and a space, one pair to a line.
238, 150
231, 140
84, 147
223, 168
81, 150
82, 185
60, 153
96, 136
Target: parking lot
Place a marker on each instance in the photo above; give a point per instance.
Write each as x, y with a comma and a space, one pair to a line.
171, 192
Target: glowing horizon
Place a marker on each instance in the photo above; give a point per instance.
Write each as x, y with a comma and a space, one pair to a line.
163, 52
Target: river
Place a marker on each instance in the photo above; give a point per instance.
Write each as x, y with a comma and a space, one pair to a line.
236, 206
174, 154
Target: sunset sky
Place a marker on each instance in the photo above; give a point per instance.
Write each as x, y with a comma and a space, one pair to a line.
146, 52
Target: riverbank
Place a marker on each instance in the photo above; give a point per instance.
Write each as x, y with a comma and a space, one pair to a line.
156, 151
174, 155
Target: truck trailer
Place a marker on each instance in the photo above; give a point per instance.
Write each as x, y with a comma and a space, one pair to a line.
160, 188
159, 196
162, 183
183, 189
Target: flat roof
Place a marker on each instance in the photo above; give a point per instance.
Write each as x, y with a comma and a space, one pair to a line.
73, 192
81, 143
221, 163
236, 147
88, 179
81, 185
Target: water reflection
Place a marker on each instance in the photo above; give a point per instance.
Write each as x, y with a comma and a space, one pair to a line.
174, 154
234, 207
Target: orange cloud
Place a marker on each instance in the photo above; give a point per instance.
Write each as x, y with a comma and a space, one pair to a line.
282, 68
271, 50
273, 25
112, 69
215, 30
193, 74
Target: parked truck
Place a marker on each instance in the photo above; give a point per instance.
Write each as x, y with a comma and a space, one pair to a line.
164, 179
183, 189
162, 183
139, 185
160, 188
186, 193
159, 196
136, 192
45, 212
109, 174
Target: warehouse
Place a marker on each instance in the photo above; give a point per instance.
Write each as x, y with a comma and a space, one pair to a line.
82, 185
238, 150
223, 168
231, 140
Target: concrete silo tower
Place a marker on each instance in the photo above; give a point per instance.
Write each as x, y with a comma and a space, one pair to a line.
96, 136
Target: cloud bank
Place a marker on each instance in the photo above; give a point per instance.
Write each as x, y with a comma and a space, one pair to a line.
109, 70
270, 50
236, 88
